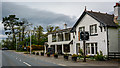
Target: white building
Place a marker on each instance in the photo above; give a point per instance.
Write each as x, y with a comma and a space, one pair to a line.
60, 40
103, 30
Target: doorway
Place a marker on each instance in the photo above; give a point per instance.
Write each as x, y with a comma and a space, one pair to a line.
59, 49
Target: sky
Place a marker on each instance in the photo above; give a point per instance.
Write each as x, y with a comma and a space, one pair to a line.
54, 12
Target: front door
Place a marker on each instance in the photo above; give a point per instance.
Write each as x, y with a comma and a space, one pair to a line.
59, 49
53, 49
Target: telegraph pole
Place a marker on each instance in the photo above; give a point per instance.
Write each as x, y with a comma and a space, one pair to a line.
84, 36
84, 55
30, 42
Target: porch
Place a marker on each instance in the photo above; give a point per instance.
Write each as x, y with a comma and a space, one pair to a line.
59, 48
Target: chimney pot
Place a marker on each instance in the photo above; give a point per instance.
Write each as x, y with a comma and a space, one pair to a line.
65, 26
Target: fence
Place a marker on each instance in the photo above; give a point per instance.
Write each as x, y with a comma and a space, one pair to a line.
114, 55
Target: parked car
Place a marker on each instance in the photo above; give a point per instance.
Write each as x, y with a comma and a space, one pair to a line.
5, 48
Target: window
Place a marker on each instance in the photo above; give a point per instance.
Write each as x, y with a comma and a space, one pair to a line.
53, 38
80, 30
88, 48
78, 47
66, 48
96, 48
67, 36
91, 48
93, 29
60, 37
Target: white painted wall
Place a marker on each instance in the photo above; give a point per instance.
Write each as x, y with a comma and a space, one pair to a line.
61, 42
113, 39
101, 39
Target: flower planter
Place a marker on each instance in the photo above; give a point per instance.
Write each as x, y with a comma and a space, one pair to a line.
33, 53
37, 53
55, 56
66, 57
42, 53
74, 58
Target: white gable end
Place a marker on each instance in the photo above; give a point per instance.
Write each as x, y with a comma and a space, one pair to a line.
100, 39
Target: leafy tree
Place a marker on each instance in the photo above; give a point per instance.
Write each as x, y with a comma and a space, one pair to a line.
13, 25
9, 24
24, 24
52, 28
39, 31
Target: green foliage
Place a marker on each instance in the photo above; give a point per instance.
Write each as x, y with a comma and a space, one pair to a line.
74, 55
37, 47
48, 53
81, 51
56, 54
66, 54
99, 57
37, 38
51, 28
10, 24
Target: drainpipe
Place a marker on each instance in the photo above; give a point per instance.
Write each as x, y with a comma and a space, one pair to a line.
107, 44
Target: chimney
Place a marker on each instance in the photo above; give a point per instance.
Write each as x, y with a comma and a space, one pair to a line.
117, 13
65, 26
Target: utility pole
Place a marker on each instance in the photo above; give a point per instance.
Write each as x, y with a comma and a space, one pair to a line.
84, 55
16, 44
84, 36
30, 41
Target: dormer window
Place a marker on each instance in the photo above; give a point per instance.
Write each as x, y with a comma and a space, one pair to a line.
93, 29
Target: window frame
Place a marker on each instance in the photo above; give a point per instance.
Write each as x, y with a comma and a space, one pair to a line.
80, 30
93, 30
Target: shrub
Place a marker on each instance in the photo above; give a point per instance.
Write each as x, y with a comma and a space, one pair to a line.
74, 55
99, 57
56, 55
66, 55
87, 56
48, 54
81, 51
26, 53
80, 56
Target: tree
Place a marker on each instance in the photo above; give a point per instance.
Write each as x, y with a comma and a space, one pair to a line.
24, 24
52, 28
39, 31
13, 25
9, 24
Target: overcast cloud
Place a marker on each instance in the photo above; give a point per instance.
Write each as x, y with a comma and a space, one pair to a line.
37, 17
55, 13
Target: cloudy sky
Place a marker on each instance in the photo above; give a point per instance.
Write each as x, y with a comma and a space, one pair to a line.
52, 13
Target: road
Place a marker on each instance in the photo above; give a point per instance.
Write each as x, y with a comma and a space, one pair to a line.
17, 60
13, 59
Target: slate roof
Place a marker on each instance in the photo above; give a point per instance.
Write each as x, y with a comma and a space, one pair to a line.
104, 18
60, 31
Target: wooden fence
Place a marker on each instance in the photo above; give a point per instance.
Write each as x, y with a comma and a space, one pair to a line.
114, 55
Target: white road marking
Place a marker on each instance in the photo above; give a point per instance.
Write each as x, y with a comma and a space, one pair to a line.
27, 64
16, 58
20, 60
61, 64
